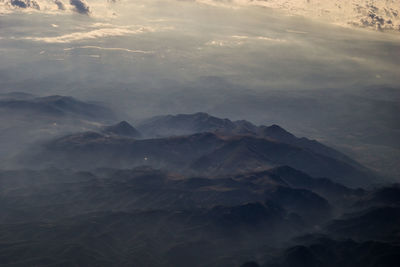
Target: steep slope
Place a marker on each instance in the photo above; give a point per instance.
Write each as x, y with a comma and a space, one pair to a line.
333, 191
249, 153
277, 133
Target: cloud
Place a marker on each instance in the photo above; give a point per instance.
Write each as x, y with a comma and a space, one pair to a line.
99, 9
295, 31
110, 49
93, 34
59, 4
264, 38
25, 4
225, 43
19, 3
80, 6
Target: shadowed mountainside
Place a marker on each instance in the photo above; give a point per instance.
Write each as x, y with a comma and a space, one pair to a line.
111, 217
186, 124
201, 153
116, 217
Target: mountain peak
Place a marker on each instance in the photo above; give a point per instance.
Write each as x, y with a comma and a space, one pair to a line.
122, 128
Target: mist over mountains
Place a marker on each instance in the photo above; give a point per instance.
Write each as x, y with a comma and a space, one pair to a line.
188, 144
185, 190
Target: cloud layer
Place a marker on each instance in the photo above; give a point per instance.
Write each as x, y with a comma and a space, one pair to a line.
372, 14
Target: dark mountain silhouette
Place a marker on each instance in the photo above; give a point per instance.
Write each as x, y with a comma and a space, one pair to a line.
385, 222
388, 195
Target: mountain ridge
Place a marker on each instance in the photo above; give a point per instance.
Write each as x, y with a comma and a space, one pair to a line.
217, 152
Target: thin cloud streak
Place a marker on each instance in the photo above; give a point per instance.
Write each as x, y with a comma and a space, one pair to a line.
265, 38
238, 40
110, 49
94, 34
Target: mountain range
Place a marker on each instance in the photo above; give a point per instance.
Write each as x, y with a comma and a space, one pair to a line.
199, 144
185, 190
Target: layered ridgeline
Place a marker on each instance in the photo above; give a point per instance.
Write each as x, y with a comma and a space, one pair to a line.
198, 144
145, 217
183, 190
51, 107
